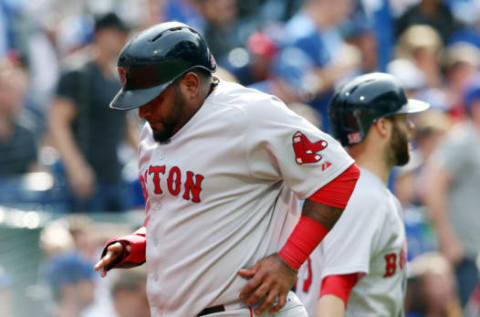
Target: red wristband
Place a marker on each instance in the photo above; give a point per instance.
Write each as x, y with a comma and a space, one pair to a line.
305, 237
339, 285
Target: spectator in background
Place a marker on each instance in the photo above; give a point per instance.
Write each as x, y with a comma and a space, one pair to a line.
220, 29
85, 132
185, 11
18, 145
253, 64
470, 32
431, 288
423, 46
71, 279
129, 293
429, 12
359, 32
461, 63
409, 75
430, 128
315, 30
292, 77
452, 196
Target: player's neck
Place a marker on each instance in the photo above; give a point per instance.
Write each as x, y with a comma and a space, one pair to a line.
372, 160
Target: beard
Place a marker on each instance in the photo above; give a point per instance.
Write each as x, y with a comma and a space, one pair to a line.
399, 147
179, 101
163, 137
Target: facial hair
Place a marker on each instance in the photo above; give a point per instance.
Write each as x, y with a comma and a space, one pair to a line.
399, 147
179, 101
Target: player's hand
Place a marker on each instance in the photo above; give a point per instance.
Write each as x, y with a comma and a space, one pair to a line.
270, 280
113, 255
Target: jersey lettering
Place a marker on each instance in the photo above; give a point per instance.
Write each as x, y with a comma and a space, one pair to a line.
174, 178
193, 187
390, 264
156, 170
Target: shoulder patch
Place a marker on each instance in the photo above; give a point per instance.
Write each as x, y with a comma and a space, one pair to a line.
305, 150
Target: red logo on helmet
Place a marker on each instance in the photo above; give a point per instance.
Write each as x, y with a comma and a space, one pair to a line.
123, 75
213, 63
305, 150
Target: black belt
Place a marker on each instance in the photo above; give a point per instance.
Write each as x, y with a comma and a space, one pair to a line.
211, 310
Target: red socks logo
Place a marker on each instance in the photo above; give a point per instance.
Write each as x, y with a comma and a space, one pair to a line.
305, 150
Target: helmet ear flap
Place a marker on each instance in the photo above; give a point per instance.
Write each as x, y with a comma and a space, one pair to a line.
346, 122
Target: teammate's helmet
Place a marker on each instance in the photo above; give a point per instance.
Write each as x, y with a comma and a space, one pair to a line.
356, 105
153, 59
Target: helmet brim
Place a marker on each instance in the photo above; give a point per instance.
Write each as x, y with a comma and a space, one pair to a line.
131, 99
413, 106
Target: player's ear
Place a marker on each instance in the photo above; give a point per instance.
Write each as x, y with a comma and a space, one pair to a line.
190, 85
383, 126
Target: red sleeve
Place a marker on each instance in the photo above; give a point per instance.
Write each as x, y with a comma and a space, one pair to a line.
138, 243
339, 285
338, 191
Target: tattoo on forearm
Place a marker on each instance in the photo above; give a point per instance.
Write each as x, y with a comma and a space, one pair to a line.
326, 215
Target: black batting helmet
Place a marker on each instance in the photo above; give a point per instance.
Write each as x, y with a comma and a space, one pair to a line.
153, 59
356, 105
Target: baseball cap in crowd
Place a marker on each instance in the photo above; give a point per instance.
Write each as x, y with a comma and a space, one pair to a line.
261, 44
296, 68
110, 21
67, 269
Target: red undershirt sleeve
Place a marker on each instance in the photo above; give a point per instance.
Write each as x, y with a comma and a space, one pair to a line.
339, 285
338, 192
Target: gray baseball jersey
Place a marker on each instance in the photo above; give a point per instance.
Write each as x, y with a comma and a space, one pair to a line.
223, 194
369, 239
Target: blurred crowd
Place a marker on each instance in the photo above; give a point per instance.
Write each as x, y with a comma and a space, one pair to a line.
63, 151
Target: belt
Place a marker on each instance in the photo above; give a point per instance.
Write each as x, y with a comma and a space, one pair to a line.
211, 310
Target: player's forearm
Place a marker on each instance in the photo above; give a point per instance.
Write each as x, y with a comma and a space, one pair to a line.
320, 213
323, 214
316, 221
330, 306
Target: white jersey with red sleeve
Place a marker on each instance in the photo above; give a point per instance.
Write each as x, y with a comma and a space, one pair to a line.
223, 194
369, 239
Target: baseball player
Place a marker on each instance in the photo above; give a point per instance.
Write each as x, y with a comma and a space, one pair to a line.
362, 261
222, 167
